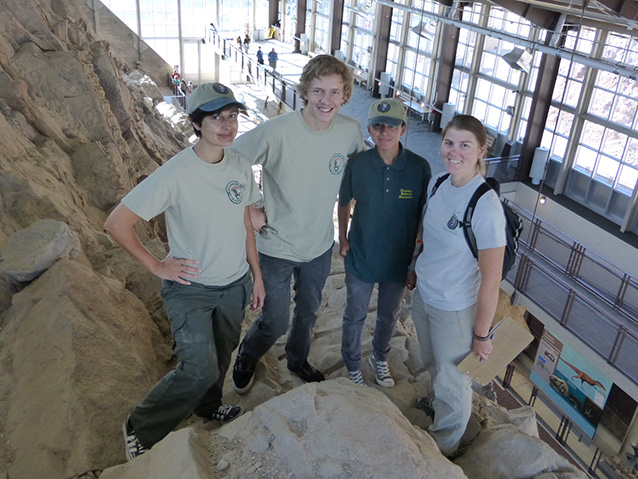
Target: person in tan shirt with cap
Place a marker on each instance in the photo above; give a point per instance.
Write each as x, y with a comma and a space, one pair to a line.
204, 192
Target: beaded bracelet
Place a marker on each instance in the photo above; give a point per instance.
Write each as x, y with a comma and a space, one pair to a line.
481, 338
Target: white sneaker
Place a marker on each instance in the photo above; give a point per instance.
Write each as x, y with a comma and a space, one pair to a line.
356, 377
382, 372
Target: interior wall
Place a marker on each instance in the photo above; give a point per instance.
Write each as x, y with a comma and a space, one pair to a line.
595, 239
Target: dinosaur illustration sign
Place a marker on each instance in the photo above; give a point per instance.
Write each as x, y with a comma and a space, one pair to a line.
570, 382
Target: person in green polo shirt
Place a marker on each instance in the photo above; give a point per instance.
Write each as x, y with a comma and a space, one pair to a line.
388, 185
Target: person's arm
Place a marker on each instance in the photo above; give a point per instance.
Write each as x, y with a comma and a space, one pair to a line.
120, 225
259, 292
343, 218
257, 213
418, 244
491, 266
410, 281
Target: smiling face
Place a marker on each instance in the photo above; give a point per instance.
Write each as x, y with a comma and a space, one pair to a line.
324, 97
220, 128
386, 137
461, 153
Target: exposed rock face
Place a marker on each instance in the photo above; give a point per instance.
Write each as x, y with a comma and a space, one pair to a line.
73, 137
78, 350
326, 430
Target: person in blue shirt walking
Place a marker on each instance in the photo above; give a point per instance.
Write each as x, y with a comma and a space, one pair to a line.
388, 185
272, 59
260, 56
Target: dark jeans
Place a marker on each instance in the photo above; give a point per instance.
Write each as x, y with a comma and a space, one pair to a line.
354, 317
206, 325
310, 278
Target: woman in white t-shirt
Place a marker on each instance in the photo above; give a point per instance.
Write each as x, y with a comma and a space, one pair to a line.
457, 295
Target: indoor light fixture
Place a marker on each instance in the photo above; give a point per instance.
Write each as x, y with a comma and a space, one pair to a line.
542, 199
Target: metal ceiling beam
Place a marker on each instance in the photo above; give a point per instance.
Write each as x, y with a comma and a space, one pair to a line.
624, 8
543, 18
622, 70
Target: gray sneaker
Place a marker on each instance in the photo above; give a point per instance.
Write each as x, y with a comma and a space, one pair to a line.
132, 445
356, 377
381, 372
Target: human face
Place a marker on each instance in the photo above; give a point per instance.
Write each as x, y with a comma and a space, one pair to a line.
324, 98
219, 129
386, 137
461, 152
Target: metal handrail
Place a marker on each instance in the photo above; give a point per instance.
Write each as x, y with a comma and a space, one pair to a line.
618, 351
260, 74
619, 300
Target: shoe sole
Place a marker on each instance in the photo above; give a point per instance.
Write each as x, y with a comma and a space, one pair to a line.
246, 388
383, 384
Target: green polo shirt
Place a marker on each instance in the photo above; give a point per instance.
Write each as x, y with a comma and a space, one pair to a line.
389, 200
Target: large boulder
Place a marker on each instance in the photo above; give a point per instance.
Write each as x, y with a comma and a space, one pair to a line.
332, 429
77, 354
33, 250
504, 452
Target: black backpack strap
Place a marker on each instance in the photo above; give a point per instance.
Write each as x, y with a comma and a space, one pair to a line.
467, 217
438, 182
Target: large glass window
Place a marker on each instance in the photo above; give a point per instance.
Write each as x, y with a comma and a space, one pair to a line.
361, 49
322, 34
556, 134
125, 11
458, 89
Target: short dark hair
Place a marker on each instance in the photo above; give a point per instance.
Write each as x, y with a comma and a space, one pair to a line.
198, 116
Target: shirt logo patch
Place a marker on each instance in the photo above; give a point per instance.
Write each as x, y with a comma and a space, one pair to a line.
406, 194
337, 164
453, 222
235, 192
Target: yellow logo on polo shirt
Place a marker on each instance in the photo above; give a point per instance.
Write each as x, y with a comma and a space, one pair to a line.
406, 194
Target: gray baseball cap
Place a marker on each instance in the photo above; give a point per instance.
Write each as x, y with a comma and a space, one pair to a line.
212, 97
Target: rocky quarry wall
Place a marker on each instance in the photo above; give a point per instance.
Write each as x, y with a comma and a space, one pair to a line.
82, 333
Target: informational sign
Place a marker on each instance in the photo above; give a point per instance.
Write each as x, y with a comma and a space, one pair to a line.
571, 382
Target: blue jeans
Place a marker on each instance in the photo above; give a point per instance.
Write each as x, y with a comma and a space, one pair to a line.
445, 338
206, 325
273, 322
354, 317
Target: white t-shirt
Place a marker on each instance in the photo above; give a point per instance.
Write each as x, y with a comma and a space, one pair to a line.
204, 207
448, 275
302, 171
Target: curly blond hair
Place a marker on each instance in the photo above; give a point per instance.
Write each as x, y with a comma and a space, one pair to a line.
323, 65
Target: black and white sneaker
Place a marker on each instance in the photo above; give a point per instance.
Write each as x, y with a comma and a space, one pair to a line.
243, 374
306, 372
132, 445
381, 372
226, 413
